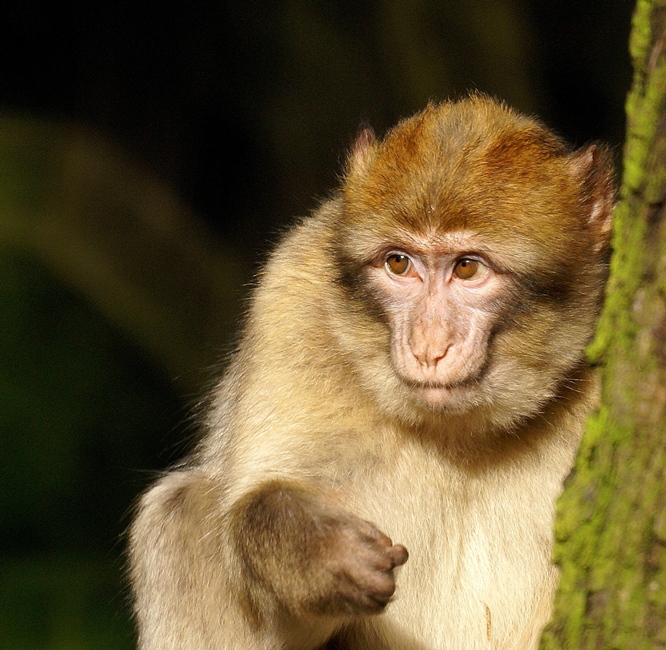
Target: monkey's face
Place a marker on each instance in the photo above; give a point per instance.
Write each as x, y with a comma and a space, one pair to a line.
464, 323
468, 328
441, 299
474, 245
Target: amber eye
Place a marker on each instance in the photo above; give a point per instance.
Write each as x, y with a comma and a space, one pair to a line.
398, 264
467, 268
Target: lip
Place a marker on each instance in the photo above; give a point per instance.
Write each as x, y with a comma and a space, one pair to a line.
444, 395
441, 385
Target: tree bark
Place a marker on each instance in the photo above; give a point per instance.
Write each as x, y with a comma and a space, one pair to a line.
611, 524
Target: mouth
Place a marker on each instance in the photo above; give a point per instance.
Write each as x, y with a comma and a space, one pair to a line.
472, 380
451, 395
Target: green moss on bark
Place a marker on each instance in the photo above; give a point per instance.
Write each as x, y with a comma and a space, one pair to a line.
611, 530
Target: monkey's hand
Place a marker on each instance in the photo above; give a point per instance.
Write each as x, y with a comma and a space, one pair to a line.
356, 567
316, 557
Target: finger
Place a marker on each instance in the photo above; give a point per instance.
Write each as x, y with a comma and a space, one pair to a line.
398, 554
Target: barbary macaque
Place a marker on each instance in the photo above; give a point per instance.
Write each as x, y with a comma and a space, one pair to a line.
381, 461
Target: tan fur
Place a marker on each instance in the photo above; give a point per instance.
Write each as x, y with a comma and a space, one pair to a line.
261, 540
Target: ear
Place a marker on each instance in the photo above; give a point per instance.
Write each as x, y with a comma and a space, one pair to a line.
362, 152
593, 167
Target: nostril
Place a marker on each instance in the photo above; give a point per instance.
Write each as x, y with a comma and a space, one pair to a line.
438, 355
430, 356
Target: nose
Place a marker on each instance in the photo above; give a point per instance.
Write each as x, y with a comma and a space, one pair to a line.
429, 345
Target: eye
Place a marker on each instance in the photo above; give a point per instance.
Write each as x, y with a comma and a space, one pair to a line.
467, 268
398, 264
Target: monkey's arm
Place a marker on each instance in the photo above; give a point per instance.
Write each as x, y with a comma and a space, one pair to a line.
280, 556
313, 557
178, 565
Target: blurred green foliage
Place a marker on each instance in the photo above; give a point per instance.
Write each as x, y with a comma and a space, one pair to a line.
78, 402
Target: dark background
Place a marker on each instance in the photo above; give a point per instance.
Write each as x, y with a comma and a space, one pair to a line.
246, 109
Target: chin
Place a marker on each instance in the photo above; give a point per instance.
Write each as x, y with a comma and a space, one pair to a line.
445, 398
483, 404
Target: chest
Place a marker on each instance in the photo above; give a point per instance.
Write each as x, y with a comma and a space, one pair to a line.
479, 573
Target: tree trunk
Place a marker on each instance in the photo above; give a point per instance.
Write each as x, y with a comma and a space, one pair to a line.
611, 525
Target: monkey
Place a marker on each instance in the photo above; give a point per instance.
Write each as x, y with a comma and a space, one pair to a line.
381, 460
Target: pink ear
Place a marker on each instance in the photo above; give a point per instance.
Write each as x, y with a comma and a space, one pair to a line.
362, 150
593, 166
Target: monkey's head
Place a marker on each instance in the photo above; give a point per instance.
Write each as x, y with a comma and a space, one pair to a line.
473, 244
